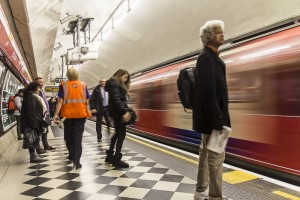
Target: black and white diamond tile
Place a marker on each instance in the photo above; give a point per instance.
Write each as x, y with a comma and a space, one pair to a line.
144, 179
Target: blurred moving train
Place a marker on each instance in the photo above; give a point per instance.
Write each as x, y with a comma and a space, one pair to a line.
263, 77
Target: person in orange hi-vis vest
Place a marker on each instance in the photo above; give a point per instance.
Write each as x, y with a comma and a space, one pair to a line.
72, 104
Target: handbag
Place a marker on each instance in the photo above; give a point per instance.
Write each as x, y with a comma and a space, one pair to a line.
133, 116
46, 121
31, 138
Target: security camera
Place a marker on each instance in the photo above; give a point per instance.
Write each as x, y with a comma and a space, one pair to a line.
84, 50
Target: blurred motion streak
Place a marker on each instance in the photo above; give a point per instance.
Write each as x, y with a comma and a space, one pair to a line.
263, 78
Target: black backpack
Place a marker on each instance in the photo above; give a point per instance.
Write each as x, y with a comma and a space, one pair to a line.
186, 84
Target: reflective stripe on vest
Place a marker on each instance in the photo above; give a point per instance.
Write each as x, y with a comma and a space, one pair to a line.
66, 94
74, 105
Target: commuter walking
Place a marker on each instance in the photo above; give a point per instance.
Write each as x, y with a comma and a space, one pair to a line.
72, 103
32, 113
99, 107
210, 111
46, 145
18, 106
117, 87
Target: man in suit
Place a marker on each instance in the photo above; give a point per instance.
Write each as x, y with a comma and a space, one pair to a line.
46, 145
210, 111
99, 107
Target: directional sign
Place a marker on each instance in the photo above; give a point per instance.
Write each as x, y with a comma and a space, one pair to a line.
51, 88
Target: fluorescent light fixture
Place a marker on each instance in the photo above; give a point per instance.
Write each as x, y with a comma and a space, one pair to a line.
116, 17
65, 19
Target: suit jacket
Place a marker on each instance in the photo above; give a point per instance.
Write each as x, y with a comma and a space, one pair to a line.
210, 106
96, 100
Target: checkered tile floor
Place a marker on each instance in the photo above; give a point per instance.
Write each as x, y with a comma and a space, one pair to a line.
144, 179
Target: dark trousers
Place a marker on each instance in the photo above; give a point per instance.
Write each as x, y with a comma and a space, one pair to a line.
45, 138
118, 137
100, 114
73, 130
18, 119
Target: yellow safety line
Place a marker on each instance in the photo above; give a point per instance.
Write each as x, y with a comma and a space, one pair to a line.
196, 162
163, 150
289, 196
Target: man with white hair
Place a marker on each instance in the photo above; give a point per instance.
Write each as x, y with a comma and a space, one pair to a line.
210, 111
46, 145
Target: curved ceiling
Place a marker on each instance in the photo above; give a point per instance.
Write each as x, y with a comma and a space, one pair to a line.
152, 32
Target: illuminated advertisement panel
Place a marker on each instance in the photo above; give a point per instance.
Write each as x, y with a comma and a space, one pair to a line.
10, 49
9, 88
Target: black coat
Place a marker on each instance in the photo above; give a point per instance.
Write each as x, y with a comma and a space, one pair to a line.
31, 113
96, 100
210, 109
117, 98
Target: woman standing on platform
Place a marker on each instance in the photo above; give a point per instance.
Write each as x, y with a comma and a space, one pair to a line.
33, 109
117, 87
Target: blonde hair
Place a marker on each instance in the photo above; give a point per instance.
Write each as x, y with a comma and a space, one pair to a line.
207, 30
72, 74
118, 74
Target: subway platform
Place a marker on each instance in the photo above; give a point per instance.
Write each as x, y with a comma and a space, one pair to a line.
156, 172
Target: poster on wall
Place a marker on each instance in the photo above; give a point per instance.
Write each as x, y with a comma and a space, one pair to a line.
9, 88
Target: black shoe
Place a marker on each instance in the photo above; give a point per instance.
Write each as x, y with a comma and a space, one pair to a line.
40, 151
37, 159
121, 164
50, 148
78, 166
20, 138
118, 163
99, 140
110, 156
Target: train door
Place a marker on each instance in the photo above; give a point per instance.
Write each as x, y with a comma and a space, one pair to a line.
287, 102
151, 108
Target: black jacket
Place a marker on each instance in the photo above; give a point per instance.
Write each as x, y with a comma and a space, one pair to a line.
117, 98
210, 109
31, 113
96, 100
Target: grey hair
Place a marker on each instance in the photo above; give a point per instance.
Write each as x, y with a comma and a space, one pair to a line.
207, 30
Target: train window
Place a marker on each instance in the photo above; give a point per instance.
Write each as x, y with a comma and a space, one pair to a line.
132, 97
245, 86
152, 97
172, 93
287, 93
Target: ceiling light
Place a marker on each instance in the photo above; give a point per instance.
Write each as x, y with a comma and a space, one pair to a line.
65, 19
57, 46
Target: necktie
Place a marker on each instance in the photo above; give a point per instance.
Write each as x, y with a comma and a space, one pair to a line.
104, 98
